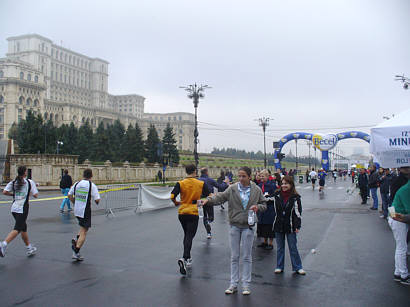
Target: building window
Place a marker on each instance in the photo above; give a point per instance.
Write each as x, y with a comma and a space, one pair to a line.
28, 101
1, 74
180, 118
36, 78
36, 102
21, 75
21, 99
29, 77
1, 99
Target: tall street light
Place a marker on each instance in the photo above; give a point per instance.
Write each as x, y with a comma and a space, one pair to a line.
195, 92
264, 122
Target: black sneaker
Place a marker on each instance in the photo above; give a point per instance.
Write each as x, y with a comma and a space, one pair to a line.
372, 208
268, 247
405, 281
396, 277
182, 266
263, 244
73, 244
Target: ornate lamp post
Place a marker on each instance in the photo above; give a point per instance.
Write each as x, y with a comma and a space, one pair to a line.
195, 92
59, 143
264, 122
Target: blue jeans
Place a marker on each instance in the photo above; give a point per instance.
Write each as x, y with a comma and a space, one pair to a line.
385, 203
373, 191
293, 250
65, 200
238, 236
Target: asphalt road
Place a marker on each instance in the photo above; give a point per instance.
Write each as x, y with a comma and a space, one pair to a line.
130, 260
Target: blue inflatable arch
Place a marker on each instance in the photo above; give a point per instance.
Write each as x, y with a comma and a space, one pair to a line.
309, 136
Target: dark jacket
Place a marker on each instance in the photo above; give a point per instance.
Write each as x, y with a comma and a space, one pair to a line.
288, 215
385, 182
268, 216
396, 183
210, 183
374, 180
363, 180
66, 182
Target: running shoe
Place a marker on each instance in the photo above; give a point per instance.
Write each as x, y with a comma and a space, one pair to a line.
405, 281
31, 251
231, 290
182, 266
188, 262
73, 244
300, 272
263, 244
396, 277
278, 271
268, 247
209, 236
246, 291
2, 249
77, 256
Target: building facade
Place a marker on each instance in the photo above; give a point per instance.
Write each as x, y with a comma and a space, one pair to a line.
65, 86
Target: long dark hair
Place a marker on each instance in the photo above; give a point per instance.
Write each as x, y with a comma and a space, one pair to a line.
221, 177
19, 181
289, 179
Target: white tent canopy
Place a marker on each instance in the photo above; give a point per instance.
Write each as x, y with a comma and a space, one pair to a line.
390, 141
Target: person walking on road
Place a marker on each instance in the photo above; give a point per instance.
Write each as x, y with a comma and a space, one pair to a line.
313, 177
243, 197
222, 179
401, 204
373, 185
209, 210
80, 195
322, 177
191, 190
363, 182
21, 189
65, 184
288, 207
265, 219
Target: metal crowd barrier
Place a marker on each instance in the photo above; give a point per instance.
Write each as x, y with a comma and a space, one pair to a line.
119, 197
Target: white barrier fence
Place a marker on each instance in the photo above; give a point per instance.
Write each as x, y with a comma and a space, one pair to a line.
136, 196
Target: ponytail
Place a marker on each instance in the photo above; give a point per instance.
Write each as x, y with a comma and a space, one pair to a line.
19, 181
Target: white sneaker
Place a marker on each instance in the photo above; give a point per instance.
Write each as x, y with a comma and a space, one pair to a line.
77, 256
278, 271
2, 249
231, 290
300, 272
182, 266
209, 236
31, 251
188, 262
246, 291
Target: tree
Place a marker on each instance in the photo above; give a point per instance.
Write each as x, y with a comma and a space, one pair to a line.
117, 132
152, 145
51, 137
169, 147
139, 148
70, 140
102, 149
85, 142
13, 132
29, 134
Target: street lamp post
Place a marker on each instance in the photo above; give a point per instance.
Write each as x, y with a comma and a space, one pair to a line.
59, 143
297, 164
264, 122
195, 92
309, 143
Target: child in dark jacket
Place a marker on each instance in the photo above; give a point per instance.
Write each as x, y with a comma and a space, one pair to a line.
288, 208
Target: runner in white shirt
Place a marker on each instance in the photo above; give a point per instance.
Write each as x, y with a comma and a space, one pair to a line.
313, 177
80, 194
21, 189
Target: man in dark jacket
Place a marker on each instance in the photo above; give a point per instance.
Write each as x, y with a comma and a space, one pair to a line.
209, 210
363, 182
373, 185
65, 185
385, 181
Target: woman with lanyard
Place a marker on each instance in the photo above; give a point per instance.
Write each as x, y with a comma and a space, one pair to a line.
80, 194
20, 189
287, 224
265, 219
242, 197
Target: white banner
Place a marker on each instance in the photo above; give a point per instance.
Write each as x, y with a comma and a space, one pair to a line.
151, 197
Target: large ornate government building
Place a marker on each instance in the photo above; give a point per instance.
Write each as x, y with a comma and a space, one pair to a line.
65, 86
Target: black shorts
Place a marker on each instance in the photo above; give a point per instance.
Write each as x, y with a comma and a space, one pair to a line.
313, 181
84, 222
321, 182
21, 219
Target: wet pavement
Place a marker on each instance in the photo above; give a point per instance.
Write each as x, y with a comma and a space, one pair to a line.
130, 260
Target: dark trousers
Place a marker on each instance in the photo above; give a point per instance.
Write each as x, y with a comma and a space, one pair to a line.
208, 217
363, 194
189, 224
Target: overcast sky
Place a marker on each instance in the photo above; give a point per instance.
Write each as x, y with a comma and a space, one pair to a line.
311, 65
